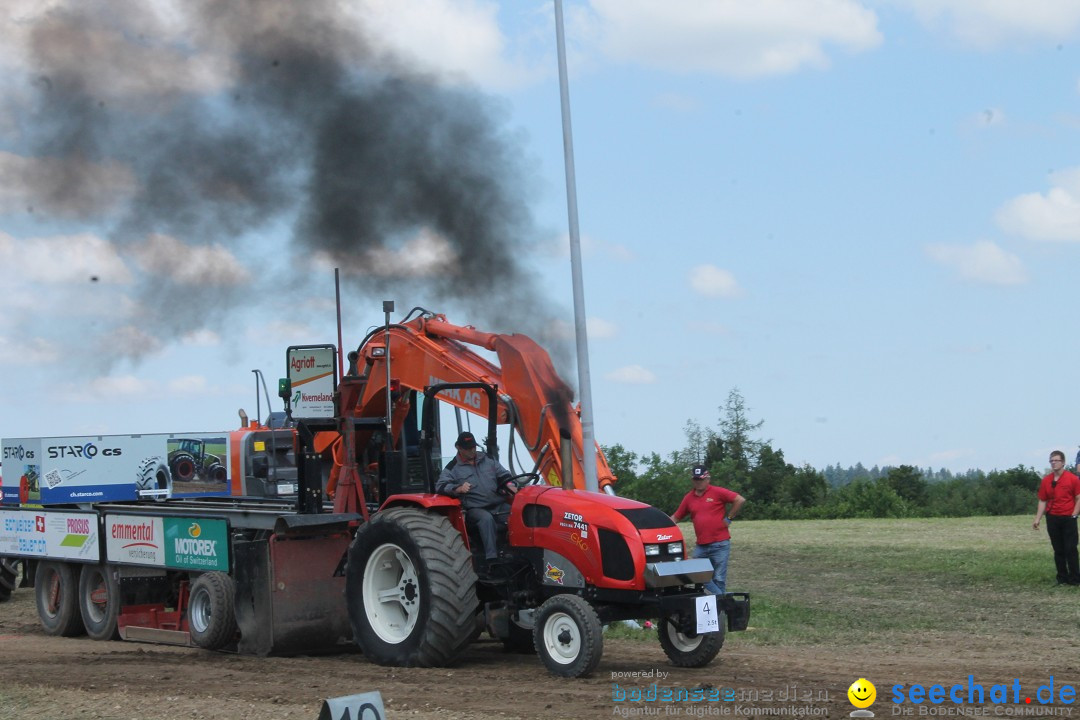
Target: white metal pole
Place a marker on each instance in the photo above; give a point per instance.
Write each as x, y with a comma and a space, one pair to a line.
584, 381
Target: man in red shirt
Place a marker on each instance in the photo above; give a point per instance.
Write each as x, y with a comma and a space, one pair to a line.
712, 509
1059, 500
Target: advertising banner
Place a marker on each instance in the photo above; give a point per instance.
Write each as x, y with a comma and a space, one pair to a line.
312, 378
59, 535
84, 469
178, 543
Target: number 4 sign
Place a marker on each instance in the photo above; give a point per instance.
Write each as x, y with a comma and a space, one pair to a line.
708, 616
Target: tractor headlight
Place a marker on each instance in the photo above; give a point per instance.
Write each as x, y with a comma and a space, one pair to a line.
652, 550
675, 548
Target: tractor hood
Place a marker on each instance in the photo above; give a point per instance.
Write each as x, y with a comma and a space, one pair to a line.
610, 540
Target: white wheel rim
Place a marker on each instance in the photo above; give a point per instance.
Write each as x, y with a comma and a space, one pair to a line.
200, 610
391, 594
562, 638
683, 643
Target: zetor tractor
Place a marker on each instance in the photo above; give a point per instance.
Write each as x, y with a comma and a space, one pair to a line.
190, 459
571, 561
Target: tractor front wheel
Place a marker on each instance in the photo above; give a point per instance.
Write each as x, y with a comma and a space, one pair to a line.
411, 589
686, 651
568, 636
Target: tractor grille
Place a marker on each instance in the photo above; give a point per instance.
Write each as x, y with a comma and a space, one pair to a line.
648, 518
618, 563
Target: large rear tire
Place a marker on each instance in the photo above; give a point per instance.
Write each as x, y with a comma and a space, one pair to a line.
690, 652
99, 601
183, 466
411, 589
211, 611
568, 636
154, 474
56, 590
9, 577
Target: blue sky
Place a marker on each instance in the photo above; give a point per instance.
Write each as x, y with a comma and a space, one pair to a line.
864, 215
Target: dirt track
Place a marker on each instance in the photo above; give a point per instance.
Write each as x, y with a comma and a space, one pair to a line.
47, 677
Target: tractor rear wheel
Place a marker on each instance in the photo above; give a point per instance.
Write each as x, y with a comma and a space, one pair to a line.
411, 589
690, 652
211, 611
183, 466
9, 577
568, 636
56, 590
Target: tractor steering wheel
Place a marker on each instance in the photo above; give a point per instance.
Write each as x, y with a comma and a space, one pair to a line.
523, 479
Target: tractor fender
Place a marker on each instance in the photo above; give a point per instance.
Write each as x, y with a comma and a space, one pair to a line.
441, 504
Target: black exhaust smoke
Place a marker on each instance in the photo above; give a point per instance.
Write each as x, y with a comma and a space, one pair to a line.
228, 123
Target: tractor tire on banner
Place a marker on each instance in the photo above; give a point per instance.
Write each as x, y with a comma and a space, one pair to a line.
411, 589
568, 636
689, 652
215, 472
154, 474
99, 601
56, 590
211, 611
9, 577
183, 466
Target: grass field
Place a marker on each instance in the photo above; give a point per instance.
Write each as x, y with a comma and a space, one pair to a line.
891, 582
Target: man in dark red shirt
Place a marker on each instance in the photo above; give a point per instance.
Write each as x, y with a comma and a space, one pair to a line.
712, 509
1059, 501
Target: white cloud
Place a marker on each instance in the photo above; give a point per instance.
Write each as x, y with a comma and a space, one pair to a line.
188, 385
632, 375
990, 23
195, 265
729, 37
983, 262
64, 259
454, 38
110, 388
1053, 216
601, 329
711, 281
27, 352
426, 254
201, 338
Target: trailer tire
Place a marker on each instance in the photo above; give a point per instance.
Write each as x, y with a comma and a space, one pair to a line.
689, 652
211, 611
9, 577
154, 475
568, 636
55, 590
99, 601
411, 589
183, 466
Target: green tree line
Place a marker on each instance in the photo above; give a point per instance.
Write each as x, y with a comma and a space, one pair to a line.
775, 489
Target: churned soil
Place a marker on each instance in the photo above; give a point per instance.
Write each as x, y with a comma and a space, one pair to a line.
51, 677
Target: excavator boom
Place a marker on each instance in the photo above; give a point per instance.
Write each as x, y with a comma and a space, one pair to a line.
532, 398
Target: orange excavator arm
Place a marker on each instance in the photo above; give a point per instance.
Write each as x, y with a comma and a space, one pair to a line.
531, 396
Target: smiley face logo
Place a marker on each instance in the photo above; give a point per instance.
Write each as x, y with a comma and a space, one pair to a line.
862, 693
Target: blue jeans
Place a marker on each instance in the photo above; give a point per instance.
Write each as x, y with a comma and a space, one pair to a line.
717, 553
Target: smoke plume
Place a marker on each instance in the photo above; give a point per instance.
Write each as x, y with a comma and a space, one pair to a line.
216, 124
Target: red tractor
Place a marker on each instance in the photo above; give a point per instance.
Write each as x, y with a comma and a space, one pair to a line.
571, 561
